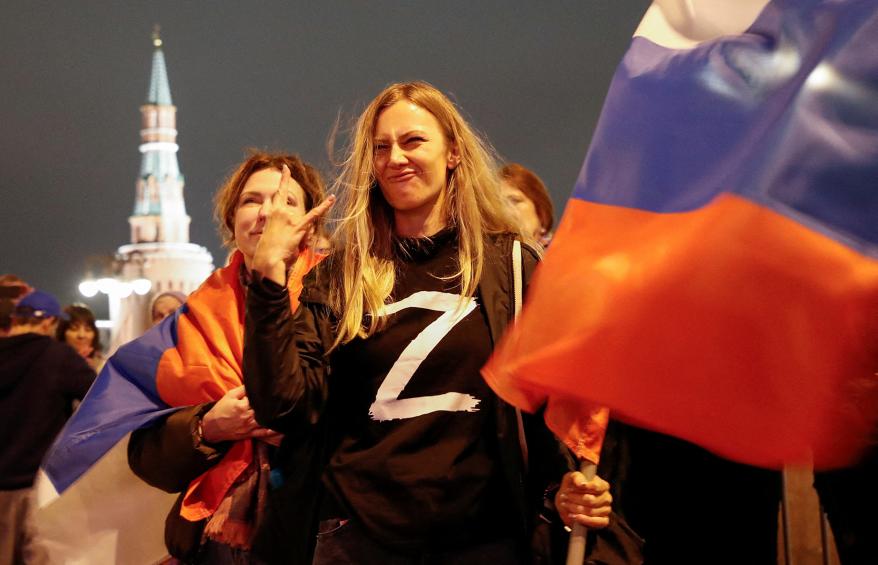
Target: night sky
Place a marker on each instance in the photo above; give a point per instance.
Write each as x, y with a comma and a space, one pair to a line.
531, 76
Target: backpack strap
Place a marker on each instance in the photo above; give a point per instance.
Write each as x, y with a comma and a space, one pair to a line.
517, 287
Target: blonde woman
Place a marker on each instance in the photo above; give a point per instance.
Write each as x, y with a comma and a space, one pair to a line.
416, 459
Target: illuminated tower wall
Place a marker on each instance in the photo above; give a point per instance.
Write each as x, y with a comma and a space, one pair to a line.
160, 250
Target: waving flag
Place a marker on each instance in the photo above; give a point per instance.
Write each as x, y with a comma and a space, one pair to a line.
715, 275
88, 497
193, 356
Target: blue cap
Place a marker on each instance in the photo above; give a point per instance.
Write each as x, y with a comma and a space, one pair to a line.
39, 304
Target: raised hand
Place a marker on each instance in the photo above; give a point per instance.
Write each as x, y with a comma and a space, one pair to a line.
286, 233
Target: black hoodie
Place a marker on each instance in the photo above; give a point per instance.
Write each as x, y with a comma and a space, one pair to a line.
40, 377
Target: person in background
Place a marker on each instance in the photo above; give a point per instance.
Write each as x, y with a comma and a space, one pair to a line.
731, 511
165, 304
12, 288
79, 330
40, 378
529, 200
849, 497
7, 305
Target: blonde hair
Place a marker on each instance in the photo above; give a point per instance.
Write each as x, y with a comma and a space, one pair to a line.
471, 202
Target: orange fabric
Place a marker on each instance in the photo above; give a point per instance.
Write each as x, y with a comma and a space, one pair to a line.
580, 425
731, 326
206, 363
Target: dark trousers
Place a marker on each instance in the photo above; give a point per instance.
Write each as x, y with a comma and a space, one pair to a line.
344, 541
213, 553
850, 499
689, 505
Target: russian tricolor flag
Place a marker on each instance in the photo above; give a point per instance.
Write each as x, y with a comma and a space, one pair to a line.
93, 509
715, 275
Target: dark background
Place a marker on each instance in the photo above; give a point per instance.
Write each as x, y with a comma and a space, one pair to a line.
530, 76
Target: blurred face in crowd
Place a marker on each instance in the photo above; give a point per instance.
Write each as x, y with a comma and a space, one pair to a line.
164, 307
412, 159
523, 209
254, 205
80, 336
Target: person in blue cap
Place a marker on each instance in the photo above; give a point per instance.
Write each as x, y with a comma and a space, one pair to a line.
40, 377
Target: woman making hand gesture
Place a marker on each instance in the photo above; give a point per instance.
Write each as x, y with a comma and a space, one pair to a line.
231, 472
414, 459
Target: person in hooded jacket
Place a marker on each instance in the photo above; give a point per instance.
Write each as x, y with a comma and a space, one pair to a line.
40, 377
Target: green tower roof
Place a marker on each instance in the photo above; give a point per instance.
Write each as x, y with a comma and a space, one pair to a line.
159, 88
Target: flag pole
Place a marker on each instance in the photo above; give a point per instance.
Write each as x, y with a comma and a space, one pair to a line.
576, 547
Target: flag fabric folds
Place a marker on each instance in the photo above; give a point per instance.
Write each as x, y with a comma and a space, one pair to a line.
193, 356
715, 275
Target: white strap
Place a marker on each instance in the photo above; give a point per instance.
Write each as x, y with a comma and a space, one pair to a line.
516, 275
517, 284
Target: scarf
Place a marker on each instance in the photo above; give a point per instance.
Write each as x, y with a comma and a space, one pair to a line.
207, 363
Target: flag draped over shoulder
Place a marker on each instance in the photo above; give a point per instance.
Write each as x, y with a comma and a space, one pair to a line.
715, 275
207, 363
194, 356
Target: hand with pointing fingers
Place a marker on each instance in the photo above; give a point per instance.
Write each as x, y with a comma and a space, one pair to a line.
286, 233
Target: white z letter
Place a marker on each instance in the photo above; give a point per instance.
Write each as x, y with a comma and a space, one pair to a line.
388, 405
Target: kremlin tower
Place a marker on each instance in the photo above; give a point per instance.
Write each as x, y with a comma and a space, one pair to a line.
159, 251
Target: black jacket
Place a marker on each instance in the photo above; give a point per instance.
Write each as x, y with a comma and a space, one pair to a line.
165, 455
40, 377
289, 385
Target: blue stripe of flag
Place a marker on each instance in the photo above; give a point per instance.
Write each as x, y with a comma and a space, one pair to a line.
123, 398
785, 115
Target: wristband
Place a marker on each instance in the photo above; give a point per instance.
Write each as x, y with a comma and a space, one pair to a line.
198, 436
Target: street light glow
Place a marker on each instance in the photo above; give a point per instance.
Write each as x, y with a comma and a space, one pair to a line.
107, 285
141, 286
115, 287
88, 288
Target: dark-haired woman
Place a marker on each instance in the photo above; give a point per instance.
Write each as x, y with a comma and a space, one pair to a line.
80, 331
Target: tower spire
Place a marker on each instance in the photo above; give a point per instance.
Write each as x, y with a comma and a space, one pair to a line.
159, 250
159, 210
159, 87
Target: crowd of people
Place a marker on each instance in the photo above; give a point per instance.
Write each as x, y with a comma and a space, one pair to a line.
49, 358
41, 377
356, 406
